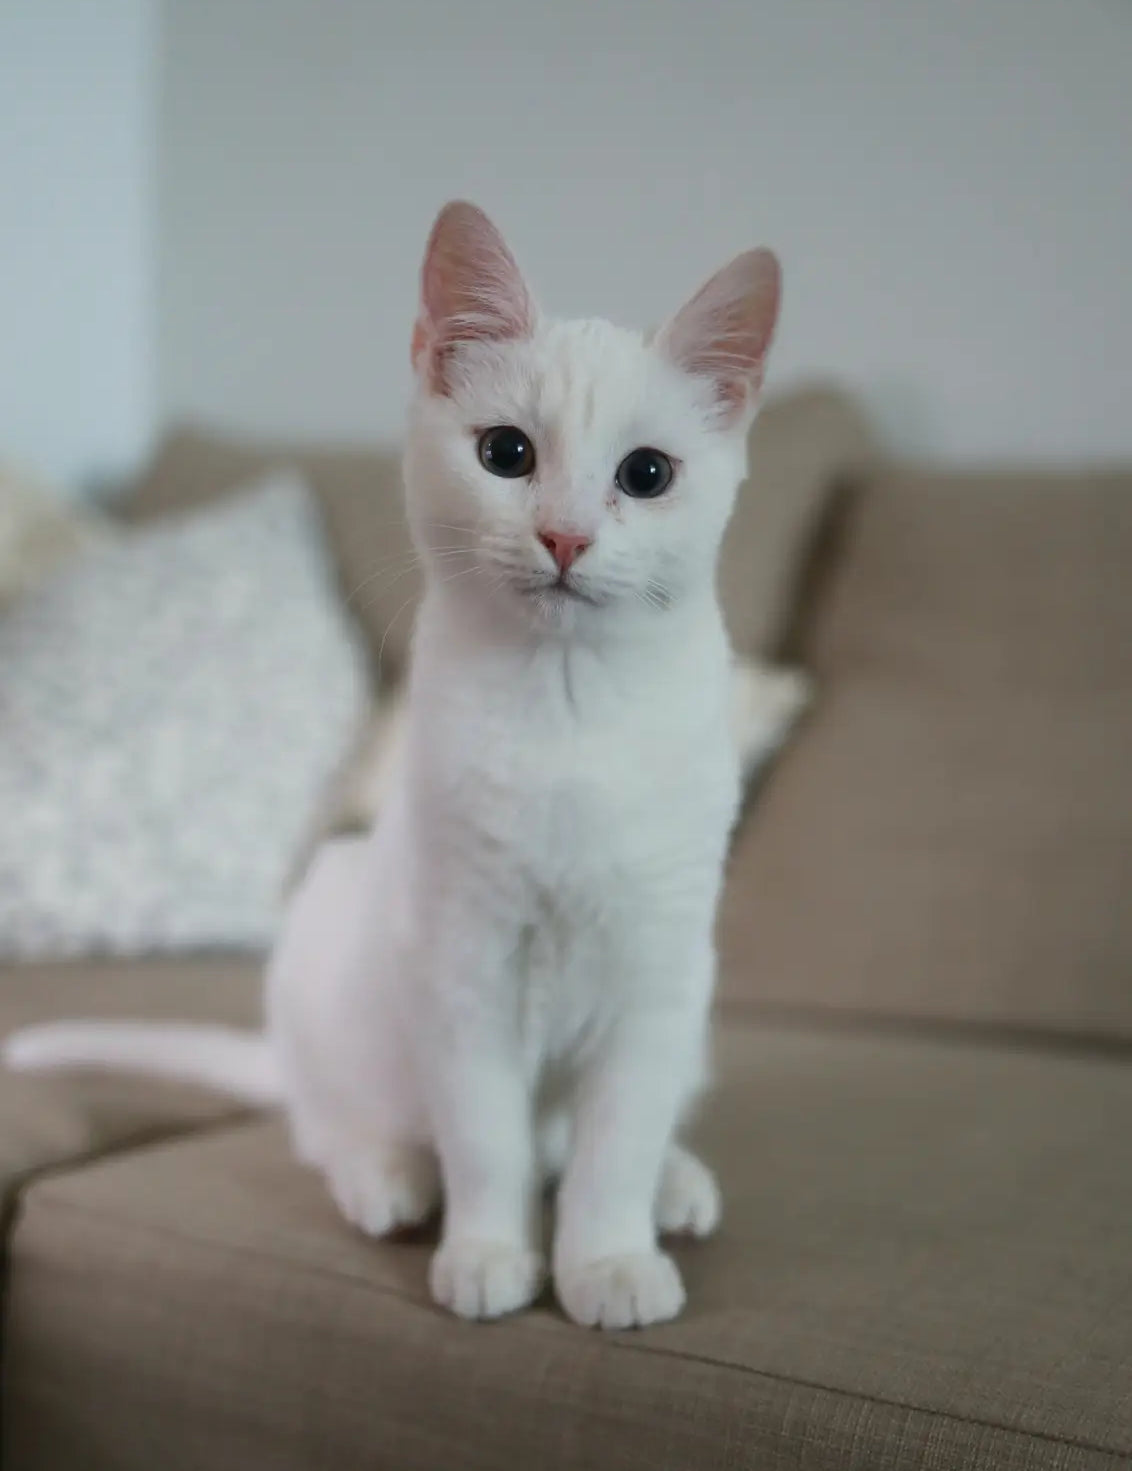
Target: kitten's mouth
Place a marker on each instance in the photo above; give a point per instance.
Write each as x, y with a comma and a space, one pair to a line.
557, 591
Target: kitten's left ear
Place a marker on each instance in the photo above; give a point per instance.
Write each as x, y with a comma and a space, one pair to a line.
471, 290
724, 333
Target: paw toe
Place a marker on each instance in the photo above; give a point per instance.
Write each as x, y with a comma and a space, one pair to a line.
484, 1279
622, 1291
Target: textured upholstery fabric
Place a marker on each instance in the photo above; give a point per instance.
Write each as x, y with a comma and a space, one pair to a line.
950, 833
924, 1263
801, 444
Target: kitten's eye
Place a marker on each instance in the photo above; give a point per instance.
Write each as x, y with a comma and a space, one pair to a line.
506, 451
644, 473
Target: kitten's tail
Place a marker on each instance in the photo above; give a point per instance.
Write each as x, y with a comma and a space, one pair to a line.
225, 1059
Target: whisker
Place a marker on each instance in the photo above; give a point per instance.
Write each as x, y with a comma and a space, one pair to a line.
388, 631
410, 559
403, 522
463, 572
395, 577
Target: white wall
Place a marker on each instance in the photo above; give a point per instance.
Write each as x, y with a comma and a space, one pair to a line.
77, 228
947, 183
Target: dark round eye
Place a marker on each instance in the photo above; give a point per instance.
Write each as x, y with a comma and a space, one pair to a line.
506, 451
644, 473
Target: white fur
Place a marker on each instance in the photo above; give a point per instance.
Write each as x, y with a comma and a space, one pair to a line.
766, 702
215, 1057
510, 979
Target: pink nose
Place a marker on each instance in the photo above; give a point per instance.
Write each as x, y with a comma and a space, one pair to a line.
564, 547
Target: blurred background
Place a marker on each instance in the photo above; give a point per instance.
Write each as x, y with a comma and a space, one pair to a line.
215, 208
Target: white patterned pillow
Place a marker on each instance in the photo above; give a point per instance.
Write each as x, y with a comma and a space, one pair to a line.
171, 706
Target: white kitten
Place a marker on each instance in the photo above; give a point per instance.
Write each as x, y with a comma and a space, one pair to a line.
510, 979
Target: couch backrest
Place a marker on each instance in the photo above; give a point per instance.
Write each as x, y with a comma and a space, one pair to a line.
950, 835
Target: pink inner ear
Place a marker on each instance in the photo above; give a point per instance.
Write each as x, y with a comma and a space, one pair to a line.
471, 289
724, 333
420, 342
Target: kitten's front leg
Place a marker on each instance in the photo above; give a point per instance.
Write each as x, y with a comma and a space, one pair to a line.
488, 1263
608, 1270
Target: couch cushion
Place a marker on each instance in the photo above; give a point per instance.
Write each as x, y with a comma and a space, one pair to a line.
801, 443
806, 447
360, 494
162, 744
924, 1261
49, 1122
950, 835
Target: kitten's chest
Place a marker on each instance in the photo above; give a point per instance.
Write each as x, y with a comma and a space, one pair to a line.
582, 824
586, 850
561, 989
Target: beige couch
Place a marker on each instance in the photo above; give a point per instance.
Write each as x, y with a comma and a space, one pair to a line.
925, 1069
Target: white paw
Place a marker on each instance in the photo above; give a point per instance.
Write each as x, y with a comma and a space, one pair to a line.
621, 1291
385, 1193
484, 1279
688, 1201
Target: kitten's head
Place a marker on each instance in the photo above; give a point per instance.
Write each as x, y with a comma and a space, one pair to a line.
573, 470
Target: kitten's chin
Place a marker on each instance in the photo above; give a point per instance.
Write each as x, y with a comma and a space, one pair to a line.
555, 606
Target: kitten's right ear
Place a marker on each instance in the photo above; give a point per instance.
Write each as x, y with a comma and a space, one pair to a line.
724, 333
471, 291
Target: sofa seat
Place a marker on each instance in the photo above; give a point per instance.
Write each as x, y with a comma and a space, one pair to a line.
924, 1263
